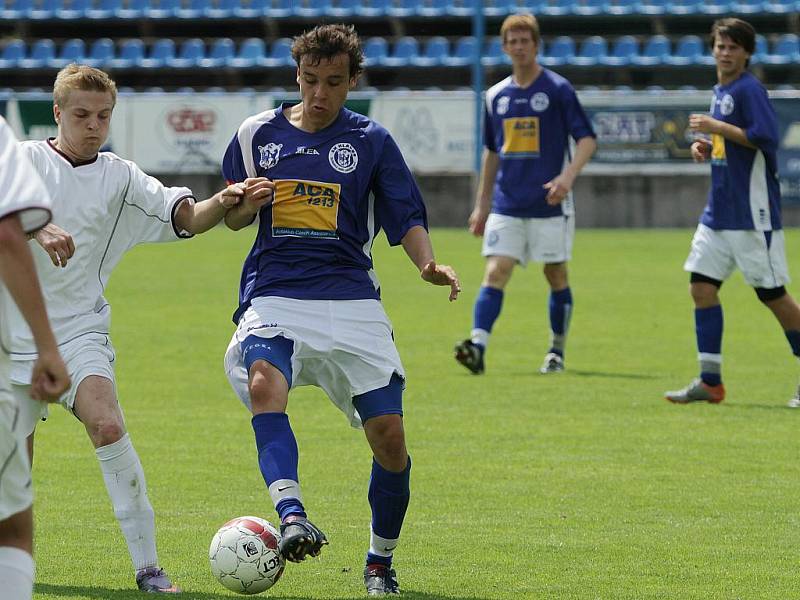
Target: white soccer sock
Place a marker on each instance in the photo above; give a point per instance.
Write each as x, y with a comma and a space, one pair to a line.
480, 337
124, 478
16, 574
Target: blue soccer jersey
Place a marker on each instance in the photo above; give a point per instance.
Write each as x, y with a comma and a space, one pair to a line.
744, 191
335, 189
529, 128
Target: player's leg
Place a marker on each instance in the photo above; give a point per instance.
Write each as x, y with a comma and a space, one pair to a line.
504, 245
96, 406
16, 555
389, 492
560, 313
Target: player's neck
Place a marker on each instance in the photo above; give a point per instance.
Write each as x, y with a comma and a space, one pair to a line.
525, 76
64, 149
728, 78
297, 117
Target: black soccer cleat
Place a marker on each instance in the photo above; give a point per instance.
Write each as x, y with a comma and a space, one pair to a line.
380, 580
300, 538
470, 355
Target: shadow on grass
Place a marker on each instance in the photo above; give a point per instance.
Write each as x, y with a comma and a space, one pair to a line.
45, 590
607, 375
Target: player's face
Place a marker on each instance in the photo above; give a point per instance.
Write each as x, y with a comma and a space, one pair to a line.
83, 123
731, 58
520, 47
323, 89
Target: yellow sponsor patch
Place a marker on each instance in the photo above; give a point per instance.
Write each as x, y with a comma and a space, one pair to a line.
521, 135
304, 208
718, 148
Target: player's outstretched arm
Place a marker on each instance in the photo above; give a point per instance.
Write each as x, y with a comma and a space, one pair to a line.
417, 244
558, 188
490, 164
17, 271
199, 217
257, 192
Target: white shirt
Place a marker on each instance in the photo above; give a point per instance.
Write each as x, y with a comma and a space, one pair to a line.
108, 205
21, 192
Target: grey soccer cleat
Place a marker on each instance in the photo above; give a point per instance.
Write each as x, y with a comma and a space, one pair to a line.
795, 401
470, 355
300, 538
153, 580
553, 363
380, 580
697, 391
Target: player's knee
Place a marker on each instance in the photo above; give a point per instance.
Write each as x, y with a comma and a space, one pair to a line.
769, 294
106, 431
497, 275
266, 393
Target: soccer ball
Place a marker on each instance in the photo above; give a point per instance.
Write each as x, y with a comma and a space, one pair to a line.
244, 555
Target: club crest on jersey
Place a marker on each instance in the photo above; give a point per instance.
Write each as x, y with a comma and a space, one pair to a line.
726, 105
540, 101
270, 155
502, 105
343, 157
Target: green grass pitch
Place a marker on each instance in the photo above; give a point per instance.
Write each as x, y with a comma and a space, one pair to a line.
585, 484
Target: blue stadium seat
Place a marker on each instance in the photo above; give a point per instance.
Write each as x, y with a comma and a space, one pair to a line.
186, 89
498, 8
684, 7
622, 7
12, 53
375, 50
131, 54
43, 9
556, 8
221, 9
785, 50
401, 8
716, 7
623, 52
103, 9
748, 7
192, 9
588, 8
191, 52
656, 90
592, 50
131, 9
100, 53
437, 49
371, 8
252, 53
689, 50
310, 9
656, 51
280, 54
463, 53
781, 7
460, 8
161, 52
274, 9
13, 10
161, 9
762, 49
72, 9
559, 52
221, 51
42, 52
343, 8
652, 7
72, 51
403, 51
432, 8
493, 54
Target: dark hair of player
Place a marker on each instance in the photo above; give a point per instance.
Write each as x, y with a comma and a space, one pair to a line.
741, 32
327, 41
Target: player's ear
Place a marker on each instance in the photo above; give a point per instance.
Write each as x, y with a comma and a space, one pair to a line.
297, 79
57, 114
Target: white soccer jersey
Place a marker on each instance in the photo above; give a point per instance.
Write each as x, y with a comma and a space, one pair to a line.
21, 192
108, 205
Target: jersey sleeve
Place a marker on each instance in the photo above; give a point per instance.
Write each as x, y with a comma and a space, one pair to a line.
21, 189
489, 141
148, 211
233, 169
578, 124
398, 201
760, 121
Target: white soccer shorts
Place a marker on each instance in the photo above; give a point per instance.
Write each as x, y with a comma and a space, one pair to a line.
16, 491
90, 354
716, 254
344, 347
547, 240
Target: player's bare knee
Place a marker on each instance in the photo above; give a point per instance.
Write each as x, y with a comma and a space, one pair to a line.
266, 392
105, 431
497, 274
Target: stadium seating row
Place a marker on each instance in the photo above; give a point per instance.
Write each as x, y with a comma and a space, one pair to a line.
624, 51
193, 9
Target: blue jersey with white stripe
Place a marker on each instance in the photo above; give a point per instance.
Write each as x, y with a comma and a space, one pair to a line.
335, 189
744, 193
529, 128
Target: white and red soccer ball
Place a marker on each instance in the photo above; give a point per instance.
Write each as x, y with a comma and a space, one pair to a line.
244, 555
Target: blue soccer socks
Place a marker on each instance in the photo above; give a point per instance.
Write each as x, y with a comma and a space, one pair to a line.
485, 313
388, 497
708, 328
794, 341
278, 459
560, 310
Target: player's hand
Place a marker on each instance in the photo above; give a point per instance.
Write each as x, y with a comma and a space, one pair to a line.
232, 195
258, 192
558, 188
701, 150
442, 275
700, 123
50, 378
57, 243
477, 221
